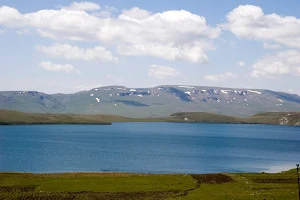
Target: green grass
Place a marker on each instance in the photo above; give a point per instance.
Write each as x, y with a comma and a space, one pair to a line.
236, 186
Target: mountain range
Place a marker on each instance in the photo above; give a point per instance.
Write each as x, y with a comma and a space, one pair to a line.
158, 101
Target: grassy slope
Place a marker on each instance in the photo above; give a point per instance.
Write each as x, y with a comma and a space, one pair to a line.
273, 118
293, 118
14, 117
144, 186
204, 117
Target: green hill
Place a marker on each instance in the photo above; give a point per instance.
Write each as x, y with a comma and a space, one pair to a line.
14, 117
8, 117
281, 118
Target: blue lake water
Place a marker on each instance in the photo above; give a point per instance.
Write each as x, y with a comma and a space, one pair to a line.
149, 148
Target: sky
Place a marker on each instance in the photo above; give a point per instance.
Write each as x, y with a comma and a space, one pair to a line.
68, 46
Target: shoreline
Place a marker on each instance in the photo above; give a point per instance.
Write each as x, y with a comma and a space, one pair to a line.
269, 171
145, 121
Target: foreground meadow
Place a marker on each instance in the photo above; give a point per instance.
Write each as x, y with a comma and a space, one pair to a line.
148, 186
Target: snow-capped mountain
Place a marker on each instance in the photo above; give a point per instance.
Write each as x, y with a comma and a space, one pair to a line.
153, 102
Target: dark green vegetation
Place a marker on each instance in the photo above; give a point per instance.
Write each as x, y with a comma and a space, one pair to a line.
13, 117
9, 117
108, 186
153, 102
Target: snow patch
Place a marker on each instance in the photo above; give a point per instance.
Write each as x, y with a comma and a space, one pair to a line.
132, 90
189, 87
110, 95
96, 89
140, 95
92, 95
225, 91
189, 93
283, 121
253, 91
280, 100
97, 99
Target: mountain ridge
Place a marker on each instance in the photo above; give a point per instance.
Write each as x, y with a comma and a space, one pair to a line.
159, 101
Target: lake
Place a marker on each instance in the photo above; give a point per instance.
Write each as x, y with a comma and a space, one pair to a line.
149, 148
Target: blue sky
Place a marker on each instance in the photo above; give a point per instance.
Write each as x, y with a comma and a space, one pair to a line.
68, 46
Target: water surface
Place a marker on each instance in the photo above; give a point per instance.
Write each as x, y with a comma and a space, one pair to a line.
149, 148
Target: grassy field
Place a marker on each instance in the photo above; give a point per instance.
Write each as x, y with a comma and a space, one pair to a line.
125, 186
8, 117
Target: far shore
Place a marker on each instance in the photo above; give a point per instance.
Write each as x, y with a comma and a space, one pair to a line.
9, 117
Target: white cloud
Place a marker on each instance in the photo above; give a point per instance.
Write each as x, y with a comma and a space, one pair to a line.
70, 52
24, 32
135, 13
162, 72
106, 12
47, 65
241, 63
248, 21
103, 13
279, 63
2, 31
114, 78
10, 17
193, 53
83, 5
174, 30
219, 77
267, 45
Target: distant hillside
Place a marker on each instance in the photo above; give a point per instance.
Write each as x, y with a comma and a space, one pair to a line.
14, 117
8, 117
204, 117
280, 118
153, 102
291, 118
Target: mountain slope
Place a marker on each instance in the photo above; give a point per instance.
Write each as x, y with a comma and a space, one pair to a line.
280, 118
153, 102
